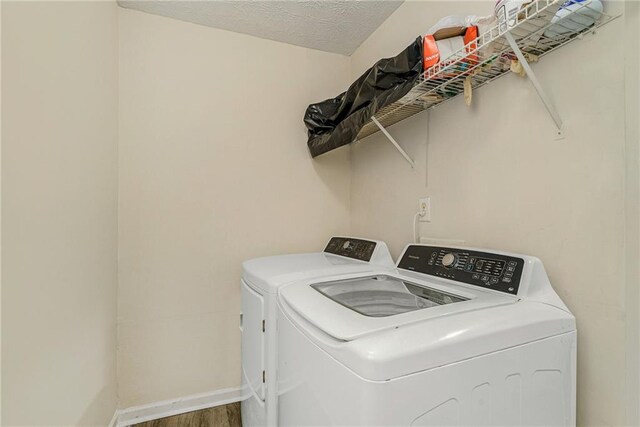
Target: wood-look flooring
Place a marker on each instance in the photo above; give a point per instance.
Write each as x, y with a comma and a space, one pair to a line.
220, 416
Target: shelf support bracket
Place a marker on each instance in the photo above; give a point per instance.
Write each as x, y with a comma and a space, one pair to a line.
393, 141
536, 84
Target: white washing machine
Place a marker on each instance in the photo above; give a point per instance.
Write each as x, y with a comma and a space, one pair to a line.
451, 337
261, 278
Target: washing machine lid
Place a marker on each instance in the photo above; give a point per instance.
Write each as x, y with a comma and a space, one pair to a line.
353, 306
384, 296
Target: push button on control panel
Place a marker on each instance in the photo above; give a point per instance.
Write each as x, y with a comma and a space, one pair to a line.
432, 258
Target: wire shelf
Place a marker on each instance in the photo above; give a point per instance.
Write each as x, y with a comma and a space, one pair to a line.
489, 57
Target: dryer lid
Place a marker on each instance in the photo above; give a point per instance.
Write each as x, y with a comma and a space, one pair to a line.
342, 255
269, 273
353, 306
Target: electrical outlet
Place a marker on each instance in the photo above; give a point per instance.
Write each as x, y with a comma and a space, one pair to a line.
424, 208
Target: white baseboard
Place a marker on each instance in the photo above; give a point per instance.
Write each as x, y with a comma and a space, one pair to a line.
167, 408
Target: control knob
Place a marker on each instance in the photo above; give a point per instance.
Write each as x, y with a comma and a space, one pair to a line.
449, 260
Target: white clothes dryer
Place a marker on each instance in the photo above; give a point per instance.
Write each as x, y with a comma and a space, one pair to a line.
453, 336
261, 278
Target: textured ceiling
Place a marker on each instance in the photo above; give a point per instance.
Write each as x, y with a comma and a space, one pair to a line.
329, 25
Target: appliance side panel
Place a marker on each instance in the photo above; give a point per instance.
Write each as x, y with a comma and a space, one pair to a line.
252, 340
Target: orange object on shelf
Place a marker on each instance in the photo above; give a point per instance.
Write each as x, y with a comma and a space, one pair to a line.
431, 53
471, 44
447, 41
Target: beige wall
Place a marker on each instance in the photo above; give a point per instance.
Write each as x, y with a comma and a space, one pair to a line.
59, 213
498, 179
0, 214
213, 170
632, 208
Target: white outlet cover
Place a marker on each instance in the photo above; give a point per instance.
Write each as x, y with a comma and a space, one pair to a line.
426, 201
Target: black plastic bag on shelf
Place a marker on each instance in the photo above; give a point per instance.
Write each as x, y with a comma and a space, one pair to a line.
337, 121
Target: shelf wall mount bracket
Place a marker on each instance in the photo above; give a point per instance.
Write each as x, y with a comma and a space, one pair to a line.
393, 141
536, 84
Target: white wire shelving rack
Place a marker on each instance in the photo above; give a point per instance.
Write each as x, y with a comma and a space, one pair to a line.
525, 37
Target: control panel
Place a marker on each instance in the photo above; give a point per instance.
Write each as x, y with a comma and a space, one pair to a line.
352, 248
487, 270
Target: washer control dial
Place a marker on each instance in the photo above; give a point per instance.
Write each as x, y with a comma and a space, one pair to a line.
449, 260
